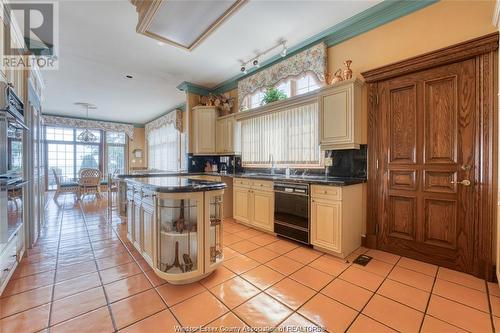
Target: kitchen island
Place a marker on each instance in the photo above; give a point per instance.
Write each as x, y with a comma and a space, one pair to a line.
176, 225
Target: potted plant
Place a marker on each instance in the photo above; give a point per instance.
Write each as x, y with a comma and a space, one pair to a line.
273, 94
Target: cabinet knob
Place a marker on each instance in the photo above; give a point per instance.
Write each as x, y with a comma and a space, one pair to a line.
325, 192
312, 200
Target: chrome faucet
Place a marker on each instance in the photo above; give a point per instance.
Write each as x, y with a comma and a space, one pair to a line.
287, 172
273, 165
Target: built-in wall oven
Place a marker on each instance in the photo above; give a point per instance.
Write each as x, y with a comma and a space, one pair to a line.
12, 126
12, 182
291, 211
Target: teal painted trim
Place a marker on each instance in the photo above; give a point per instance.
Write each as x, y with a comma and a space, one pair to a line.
371, 18
181, 107
94, 119
193, 88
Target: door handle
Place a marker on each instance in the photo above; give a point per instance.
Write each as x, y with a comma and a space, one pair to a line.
464, 182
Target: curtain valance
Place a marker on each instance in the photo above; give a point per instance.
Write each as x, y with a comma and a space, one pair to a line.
90, 124
312, 60
173, 118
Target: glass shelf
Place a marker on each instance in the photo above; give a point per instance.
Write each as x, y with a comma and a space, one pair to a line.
178, 238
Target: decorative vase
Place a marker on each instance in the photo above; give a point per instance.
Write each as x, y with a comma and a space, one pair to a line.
337, 76
348, 70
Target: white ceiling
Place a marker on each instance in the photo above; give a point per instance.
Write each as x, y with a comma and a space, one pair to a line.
99, 46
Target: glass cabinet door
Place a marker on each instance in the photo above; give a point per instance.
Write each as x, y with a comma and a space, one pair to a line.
213, 234
179, 247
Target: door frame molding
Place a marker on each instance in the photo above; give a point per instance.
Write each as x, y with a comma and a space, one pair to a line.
484, 51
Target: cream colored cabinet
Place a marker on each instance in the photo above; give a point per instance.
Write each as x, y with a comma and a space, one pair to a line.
204, 129
263, 209
220, 129
137, 223
325, 231
148, 232
228, 135
341, 121
241, 204
10, 256
130, 220
253, 203
336, 218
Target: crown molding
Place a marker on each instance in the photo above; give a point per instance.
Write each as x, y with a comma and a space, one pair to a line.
373, 17
194, 88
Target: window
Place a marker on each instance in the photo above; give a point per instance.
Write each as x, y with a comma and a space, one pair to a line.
288, 137
115, 152
306, 84
67, 155
164, 149
291, 87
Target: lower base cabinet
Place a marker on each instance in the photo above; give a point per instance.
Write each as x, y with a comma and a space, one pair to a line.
263, 210
10, 257
148, 231
253, 203
336, 218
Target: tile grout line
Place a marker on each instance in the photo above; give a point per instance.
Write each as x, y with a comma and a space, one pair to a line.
113, 322
429, 300
360, 312
55, 271
489, 306
143, 272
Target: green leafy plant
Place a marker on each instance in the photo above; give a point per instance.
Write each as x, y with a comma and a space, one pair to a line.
273, 94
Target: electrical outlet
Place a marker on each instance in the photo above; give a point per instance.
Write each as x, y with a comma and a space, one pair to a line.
328, 161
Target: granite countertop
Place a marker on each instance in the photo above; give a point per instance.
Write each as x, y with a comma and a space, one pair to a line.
308, 179
174, 184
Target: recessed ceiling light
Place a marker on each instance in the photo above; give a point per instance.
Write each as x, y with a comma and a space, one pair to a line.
129, 76
161, 43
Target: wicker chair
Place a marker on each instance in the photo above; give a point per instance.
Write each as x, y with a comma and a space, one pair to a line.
65, 187
89, 182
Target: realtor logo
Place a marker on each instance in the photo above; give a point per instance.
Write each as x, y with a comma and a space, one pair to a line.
32, 35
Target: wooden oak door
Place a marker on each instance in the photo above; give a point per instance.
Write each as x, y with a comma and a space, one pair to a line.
428, 162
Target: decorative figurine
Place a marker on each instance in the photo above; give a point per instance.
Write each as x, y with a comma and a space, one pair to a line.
348, 70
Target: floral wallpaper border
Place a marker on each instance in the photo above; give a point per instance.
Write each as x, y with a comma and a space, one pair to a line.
171, 118
90, 124
312, 60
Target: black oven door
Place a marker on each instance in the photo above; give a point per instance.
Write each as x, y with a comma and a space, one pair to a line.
291, 215
292, 209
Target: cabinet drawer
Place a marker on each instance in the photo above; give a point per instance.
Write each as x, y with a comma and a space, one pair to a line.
262, 185
8, 260
327, 192
242, 182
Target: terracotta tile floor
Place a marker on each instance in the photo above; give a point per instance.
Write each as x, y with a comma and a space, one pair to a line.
84, 276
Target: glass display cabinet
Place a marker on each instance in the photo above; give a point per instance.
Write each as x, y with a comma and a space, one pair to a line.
178, 234
180, 240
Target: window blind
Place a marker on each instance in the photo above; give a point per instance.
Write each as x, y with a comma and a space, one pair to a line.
288, 137
164, 148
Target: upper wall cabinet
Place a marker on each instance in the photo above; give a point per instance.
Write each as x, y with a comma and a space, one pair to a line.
228, 135
340, 116
204, 125
213, 135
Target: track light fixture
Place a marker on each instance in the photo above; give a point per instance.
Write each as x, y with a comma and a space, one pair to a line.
255, 61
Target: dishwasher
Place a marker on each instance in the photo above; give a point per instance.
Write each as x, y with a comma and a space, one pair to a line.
291, 211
